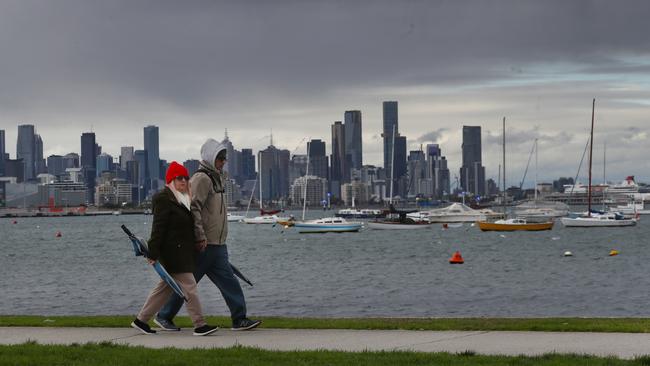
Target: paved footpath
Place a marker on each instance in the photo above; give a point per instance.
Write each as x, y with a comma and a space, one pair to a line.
622, 345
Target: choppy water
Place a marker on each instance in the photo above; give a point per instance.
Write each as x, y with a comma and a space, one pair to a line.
91, 270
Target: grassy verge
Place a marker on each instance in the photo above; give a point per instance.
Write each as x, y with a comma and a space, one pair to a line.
110, 354
624, 325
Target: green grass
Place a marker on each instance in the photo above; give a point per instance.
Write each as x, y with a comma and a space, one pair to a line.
111, 354
623, 325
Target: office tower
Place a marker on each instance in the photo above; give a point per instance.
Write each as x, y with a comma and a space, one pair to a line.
234, 163
298, 167
353, 139
417, 174
339, 173
2, 152
15, 168
88, 150
472, 172
438, 171
71, 160
275, 173
126, 155
318, 162
151, 146
399, 170
104, 164
192, 165
26, 150
247, 165
39, 161
55, 165
141, 157
390, 122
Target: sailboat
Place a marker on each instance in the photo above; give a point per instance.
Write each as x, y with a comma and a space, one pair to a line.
517, 224
592, 219
325, 224
396, 219
264, 218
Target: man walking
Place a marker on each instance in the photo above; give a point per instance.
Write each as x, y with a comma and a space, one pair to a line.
211, 228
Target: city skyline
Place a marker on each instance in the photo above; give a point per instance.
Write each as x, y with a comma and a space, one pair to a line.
244, 67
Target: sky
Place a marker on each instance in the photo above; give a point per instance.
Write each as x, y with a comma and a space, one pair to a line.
197, 68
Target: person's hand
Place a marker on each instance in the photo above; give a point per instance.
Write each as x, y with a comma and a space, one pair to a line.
151, 261
200, 246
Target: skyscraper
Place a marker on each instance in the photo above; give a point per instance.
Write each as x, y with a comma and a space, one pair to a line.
141, 157
438, 171
89, 163
55, 165
151, 146
126, 155
274, 167
2, 152
71, 160
390, 123
339, 172
247, 165
39, 161
353, 139
104, 163
472, 172
318, 163
26, 150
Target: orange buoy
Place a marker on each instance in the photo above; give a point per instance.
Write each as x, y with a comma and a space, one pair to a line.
456, 258
445, 226
58, 234
613, 252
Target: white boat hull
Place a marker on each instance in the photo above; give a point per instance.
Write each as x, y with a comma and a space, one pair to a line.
320, 228
591, 222
396, 226
261, 220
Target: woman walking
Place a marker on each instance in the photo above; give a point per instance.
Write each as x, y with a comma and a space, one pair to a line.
172, 242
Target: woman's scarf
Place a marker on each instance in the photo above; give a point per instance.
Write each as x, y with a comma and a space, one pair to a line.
183, 198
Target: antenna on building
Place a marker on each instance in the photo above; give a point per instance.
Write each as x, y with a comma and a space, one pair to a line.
271, 137
226, 135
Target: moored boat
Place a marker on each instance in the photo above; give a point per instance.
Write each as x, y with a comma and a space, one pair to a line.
514, 225
327, 225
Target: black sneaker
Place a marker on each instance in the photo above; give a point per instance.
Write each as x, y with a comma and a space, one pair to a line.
205, 330
166, 324
142, 326
245, 324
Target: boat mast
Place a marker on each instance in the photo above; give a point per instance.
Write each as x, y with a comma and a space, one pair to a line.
536, 161
259, 166
304, 197
591, 151
392, 168
505, 194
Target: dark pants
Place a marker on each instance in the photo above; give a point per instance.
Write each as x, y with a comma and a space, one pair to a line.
214, 263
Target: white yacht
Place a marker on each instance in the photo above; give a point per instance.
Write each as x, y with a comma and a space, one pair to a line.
267, 219
456, 212
327, 225
365, 213
598, 220
235, 218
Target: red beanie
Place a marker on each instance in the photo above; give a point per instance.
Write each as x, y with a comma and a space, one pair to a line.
175, 170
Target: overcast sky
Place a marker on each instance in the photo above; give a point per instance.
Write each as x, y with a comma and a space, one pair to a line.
195, 68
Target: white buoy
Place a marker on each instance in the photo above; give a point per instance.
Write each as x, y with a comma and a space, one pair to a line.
568, 254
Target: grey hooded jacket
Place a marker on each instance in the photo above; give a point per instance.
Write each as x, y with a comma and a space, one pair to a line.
208, 199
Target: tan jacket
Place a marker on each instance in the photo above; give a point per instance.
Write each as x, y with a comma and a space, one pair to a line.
209, 207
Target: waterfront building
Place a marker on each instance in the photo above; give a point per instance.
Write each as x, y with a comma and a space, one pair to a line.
472, 172
71, 160
275, 173
316, 190
2, 152
247, 165
89, 152
15, 168
104, 164
355, 190
318, 161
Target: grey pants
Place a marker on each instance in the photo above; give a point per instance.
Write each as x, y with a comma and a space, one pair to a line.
161, 293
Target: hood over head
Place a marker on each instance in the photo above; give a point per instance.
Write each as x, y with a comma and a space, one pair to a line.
209, 151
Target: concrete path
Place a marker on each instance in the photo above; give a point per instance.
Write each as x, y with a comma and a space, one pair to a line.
622, 345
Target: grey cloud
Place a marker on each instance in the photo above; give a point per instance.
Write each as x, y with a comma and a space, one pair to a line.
432, 136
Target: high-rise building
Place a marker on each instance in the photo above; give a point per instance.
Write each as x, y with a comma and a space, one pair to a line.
247, 165
39, 161
438, 171
15, 168
274, 169
71, 160
104, 164
151, 146
88, 150
417, 174
141, 157
339, 172
318, 162
2, 152
353, 139
55, 165
390, 124
298, 167
26, 150
472, 172
126, 155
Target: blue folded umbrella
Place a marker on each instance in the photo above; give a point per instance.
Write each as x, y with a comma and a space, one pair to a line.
140, 249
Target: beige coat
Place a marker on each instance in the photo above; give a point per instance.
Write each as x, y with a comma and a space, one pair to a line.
209, 207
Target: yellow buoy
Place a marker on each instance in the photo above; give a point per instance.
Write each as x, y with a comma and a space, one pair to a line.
613, 252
